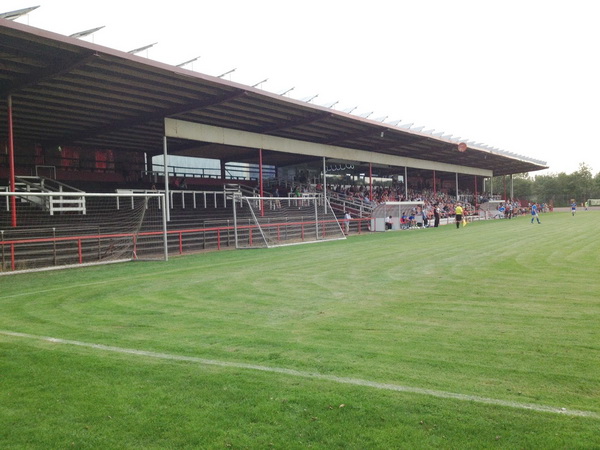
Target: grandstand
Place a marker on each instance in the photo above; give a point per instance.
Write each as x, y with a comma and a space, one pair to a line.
86, 119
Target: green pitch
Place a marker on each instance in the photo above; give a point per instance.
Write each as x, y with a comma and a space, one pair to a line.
482, 337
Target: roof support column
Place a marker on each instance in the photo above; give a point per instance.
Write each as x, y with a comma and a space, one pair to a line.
456, 175
476, 195
11, 164
166, 177
324, 185
512, 187
405, 183
371, 181
434, 185
260, 182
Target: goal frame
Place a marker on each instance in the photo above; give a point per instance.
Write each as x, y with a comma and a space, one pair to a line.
72, 203
326, 225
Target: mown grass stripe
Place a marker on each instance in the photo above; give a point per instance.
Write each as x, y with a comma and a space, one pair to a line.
313, 375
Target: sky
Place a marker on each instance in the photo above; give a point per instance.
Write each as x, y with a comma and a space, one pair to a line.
519, 75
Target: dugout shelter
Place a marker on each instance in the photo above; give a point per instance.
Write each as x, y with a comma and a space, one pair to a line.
394, 211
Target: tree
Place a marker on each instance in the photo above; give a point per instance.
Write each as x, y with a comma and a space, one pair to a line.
596, 186
556, 189
522, 186
581, 183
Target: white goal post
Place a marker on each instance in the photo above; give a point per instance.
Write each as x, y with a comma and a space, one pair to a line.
265, 222
46, 230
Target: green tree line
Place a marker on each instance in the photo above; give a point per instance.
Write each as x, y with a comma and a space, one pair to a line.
557, 189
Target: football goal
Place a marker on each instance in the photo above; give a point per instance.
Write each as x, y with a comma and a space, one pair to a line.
43, 230
265, 222
489, 209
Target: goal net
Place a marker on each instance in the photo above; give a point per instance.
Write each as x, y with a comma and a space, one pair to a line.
264, 222
489, 209
41, 230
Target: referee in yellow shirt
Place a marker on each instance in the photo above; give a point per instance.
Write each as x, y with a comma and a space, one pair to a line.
459, 214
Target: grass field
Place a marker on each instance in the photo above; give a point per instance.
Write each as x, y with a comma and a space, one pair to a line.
483, 337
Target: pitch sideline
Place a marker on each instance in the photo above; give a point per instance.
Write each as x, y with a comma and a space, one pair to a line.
316, 376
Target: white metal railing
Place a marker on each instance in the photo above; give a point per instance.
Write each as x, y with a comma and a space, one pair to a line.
66, 202
67, 198
305, 196
195, 196
359, 207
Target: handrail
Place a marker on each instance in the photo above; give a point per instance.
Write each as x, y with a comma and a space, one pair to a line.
46, 184
173, 192
68, 200
357, 206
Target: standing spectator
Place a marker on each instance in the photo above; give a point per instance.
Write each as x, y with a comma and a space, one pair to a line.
436, 216
347, 218
276, 194
388, 223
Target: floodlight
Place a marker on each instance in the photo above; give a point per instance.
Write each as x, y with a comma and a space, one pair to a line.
331, 105
188, 62
81, 34
260, 82
310, 98
141, 49
12, 15
227, 73
286, 91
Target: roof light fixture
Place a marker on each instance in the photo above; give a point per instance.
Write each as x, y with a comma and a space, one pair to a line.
227, 73
81, 34
141, 49
12, 15
188, 62
260, 82
286, 91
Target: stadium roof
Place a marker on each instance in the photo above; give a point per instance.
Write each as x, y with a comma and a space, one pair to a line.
66, 91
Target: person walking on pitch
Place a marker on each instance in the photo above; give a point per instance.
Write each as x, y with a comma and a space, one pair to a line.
534, 213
